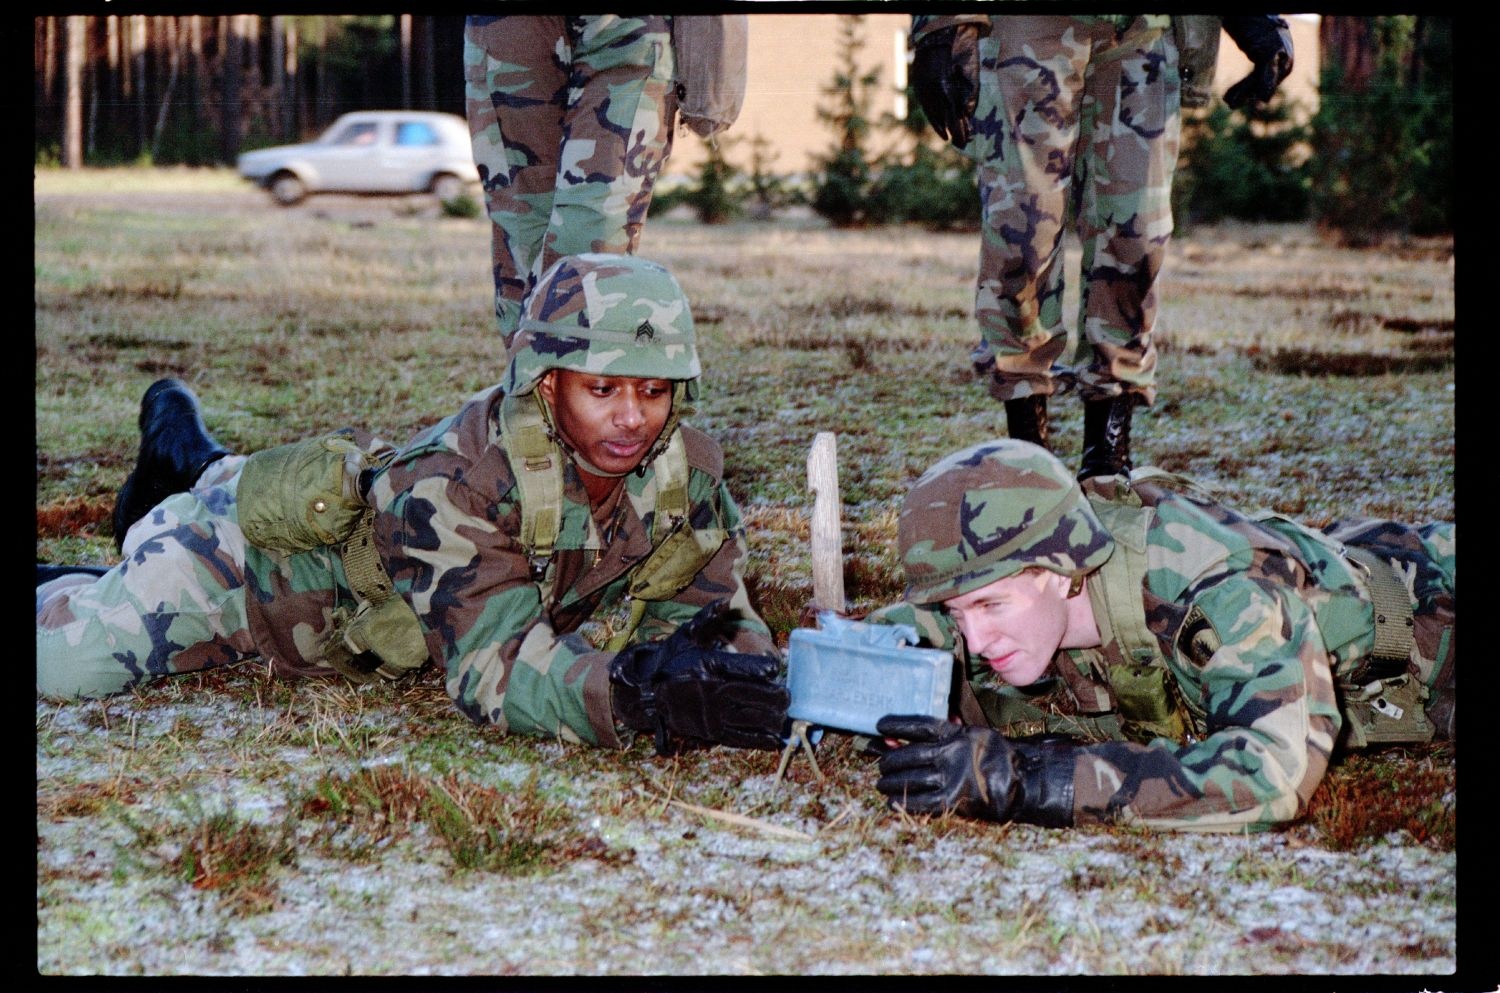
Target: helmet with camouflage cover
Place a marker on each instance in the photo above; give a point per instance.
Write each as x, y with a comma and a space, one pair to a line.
611, 315
990, 511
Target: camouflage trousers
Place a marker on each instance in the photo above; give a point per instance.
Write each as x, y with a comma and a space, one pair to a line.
571, 119
1080, 116
190, 594
1426, 556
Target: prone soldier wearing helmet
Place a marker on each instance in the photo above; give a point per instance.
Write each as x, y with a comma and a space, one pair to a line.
1133, 649
570, 494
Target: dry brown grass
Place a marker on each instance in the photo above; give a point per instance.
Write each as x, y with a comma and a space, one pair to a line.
563, 859
1368, 796
80, 516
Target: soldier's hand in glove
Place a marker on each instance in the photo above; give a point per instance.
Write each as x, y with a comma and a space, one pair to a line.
976, 772
692, 692
1267, 42
945, 74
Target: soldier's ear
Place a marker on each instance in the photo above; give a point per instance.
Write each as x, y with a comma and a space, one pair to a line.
546, 386
1056, 583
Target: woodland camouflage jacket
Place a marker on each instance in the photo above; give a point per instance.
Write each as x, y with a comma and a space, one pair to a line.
1253, 628
447, 523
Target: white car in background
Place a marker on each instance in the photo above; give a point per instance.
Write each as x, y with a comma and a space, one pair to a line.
370, 151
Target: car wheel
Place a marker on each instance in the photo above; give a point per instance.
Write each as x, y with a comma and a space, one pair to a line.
288, 189
447, 187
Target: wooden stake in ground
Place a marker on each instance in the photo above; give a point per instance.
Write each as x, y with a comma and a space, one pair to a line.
827, 536
827, 567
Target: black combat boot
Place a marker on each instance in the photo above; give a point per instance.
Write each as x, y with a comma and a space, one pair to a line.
175, 449
1026, 419
1106, 436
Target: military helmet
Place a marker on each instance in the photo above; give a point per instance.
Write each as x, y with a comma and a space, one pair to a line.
612, 315
989, 512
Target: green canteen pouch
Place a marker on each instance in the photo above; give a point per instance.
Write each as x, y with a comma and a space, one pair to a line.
1145, 696
301, 496
380, 641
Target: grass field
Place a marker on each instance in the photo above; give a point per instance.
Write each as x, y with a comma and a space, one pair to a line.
229, 824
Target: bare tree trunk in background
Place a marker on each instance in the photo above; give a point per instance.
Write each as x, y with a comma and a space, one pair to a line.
72, 136
324, 93
47, 59
233, 50
288, 73
91, 112
108, 90
168, 34
251, 35
294, 79
426, 81
405, 31
195, 77
1418, 39
41, 71
1349, 44
276, 84
252, 81
138, 42
112, 54
124, 88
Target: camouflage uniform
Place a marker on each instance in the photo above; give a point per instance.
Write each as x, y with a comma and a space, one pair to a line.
1081, 114
193, 593
572, 120
1266, 631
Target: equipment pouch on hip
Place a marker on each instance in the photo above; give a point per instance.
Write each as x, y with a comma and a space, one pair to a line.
1147, 707
301, 496
380, 641
710, 53
1386, 711
306, 495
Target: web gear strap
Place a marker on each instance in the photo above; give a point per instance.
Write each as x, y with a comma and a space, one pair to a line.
536, 463
679, 551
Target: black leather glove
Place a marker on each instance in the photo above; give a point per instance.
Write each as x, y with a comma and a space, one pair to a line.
977, 772
945, 74
1266, 41
692, 693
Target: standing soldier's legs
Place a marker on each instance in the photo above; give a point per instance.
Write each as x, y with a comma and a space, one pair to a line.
515, 85
1026, 132
175, 604
1124, 204
616, 135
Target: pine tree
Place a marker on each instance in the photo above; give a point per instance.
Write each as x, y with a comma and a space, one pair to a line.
842, 187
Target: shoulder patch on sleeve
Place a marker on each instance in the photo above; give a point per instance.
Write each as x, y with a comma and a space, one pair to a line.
1196, 639
703, 453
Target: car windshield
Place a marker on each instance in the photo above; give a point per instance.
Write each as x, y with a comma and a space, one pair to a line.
357, 133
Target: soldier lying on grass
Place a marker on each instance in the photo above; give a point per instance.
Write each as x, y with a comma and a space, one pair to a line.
1135, 650
567, 492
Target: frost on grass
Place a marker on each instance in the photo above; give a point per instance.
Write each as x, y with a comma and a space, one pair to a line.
702, 864
223, 824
